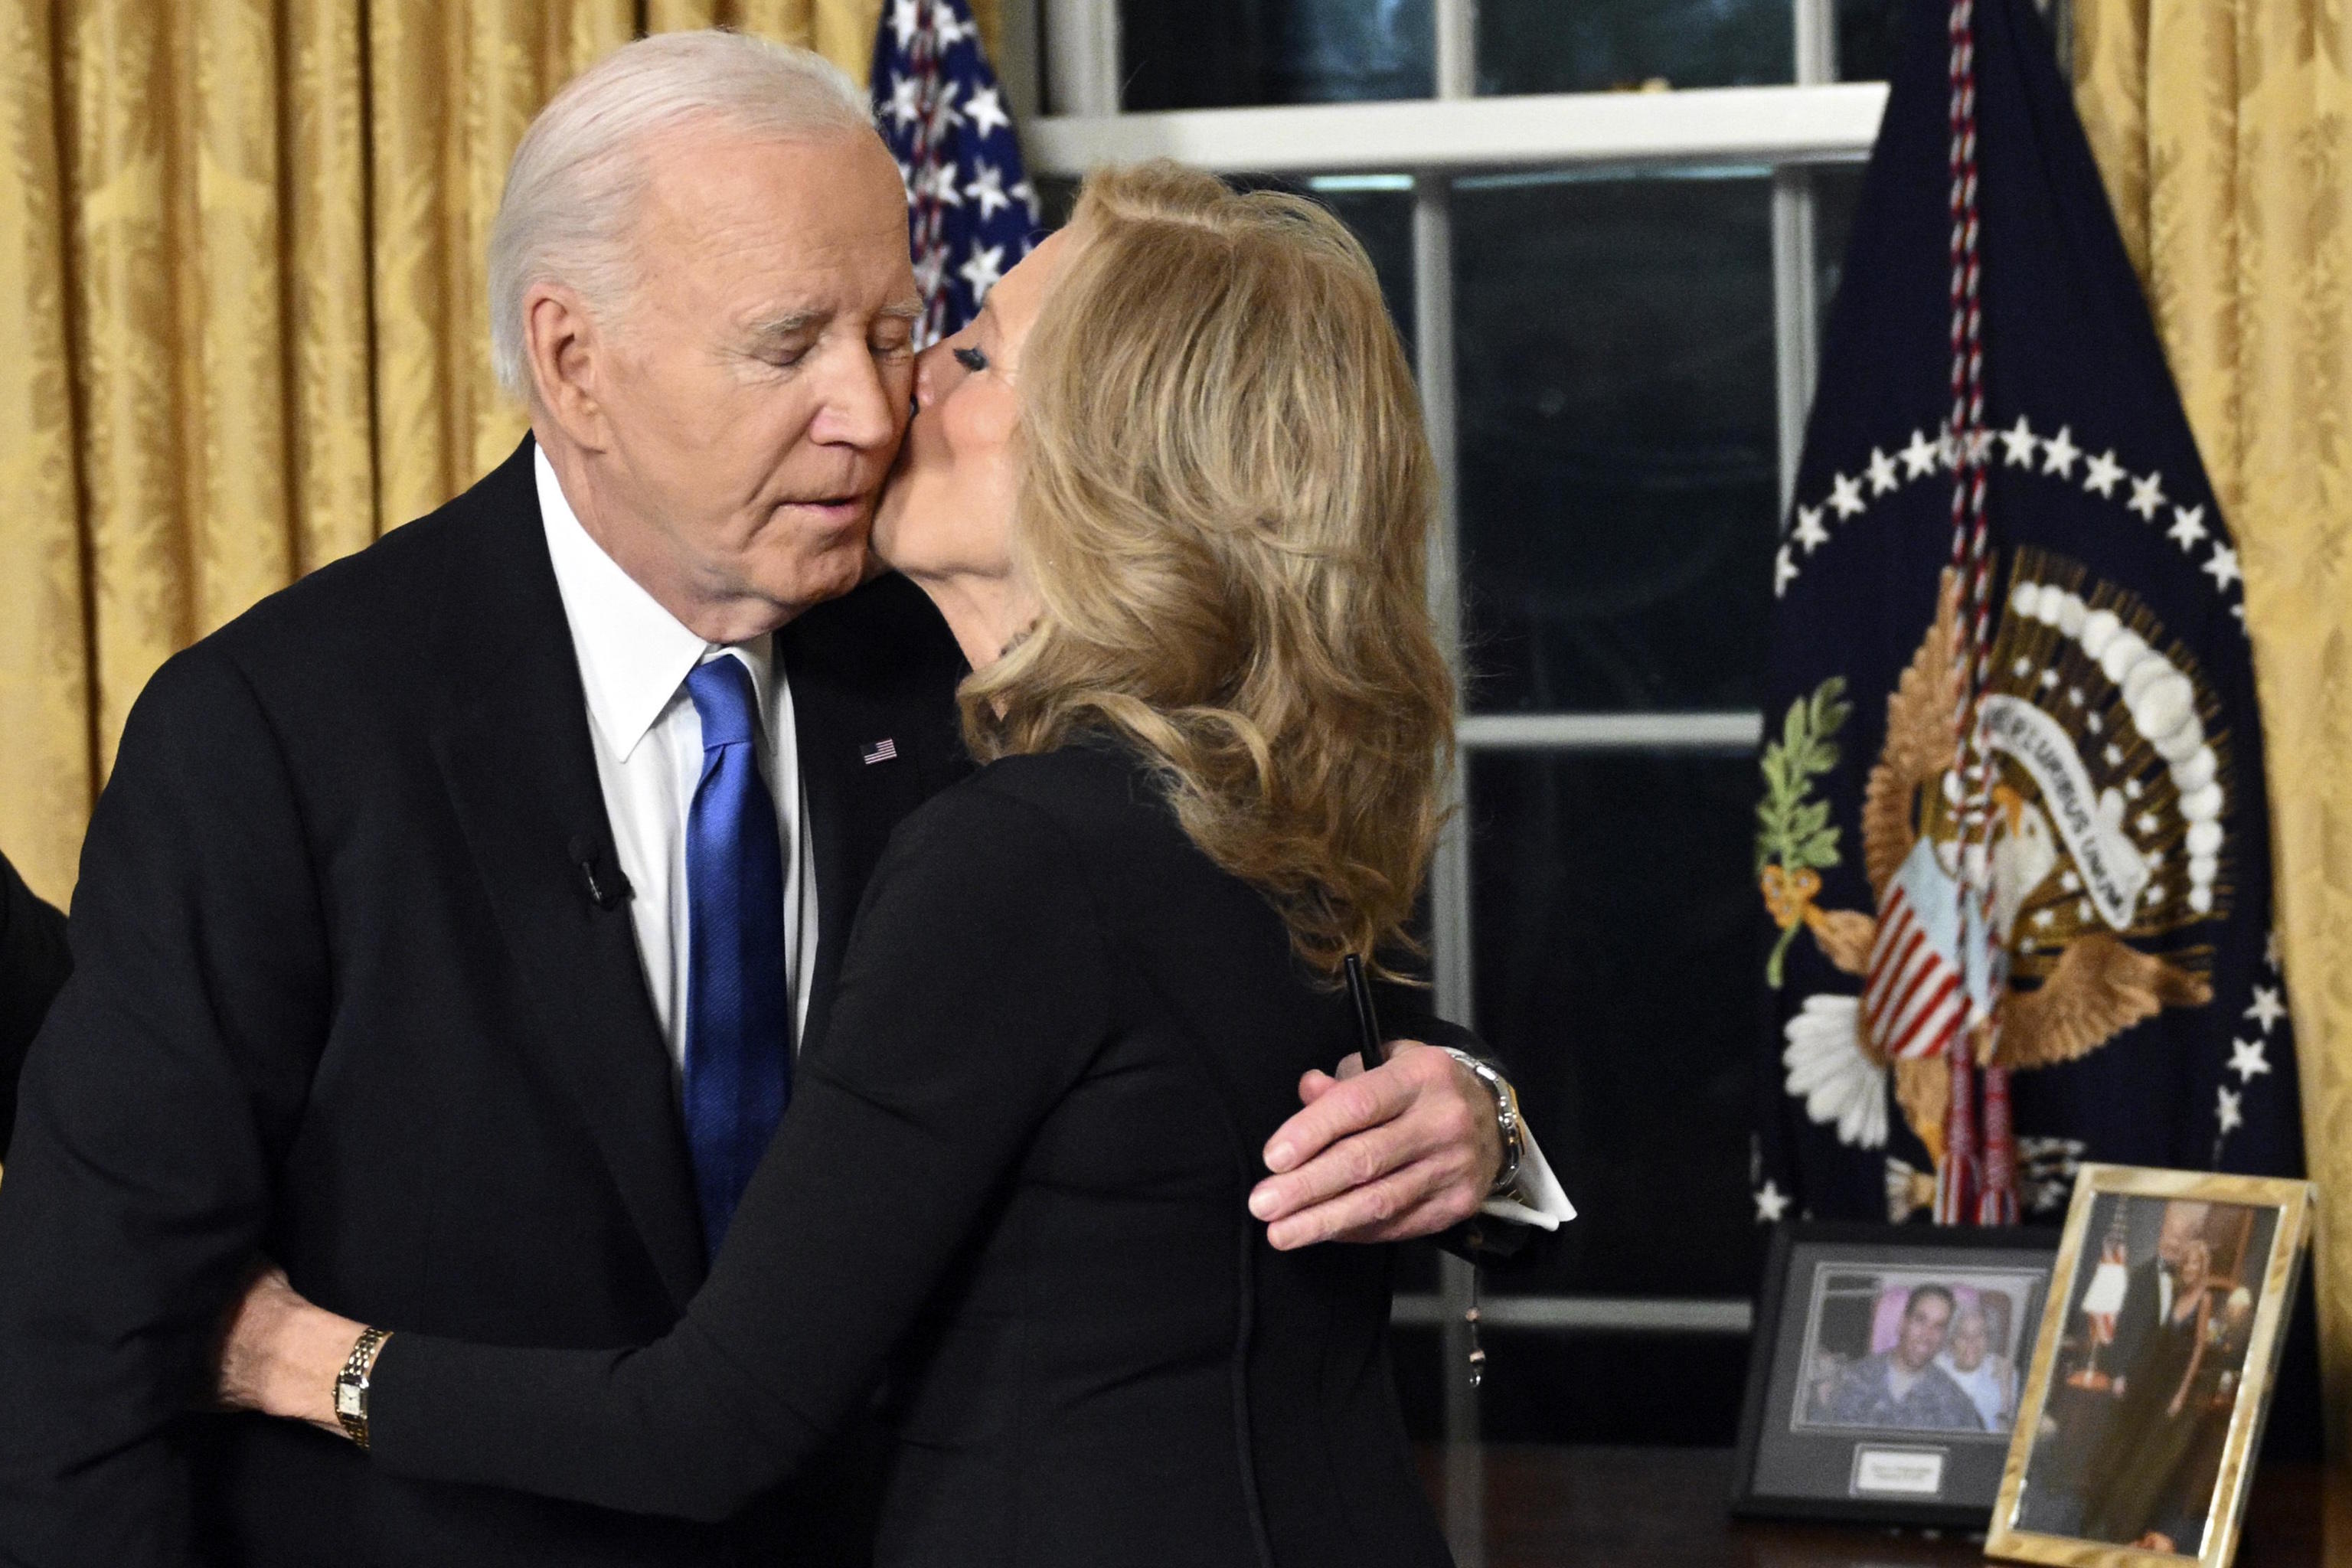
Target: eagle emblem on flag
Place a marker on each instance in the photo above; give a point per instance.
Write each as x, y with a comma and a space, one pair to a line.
2107, 856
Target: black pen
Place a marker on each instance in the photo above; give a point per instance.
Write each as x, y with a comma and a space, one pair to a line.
1368, 1020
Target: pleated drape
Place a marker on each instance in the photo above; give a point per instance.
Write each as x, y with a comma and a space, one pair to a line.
242, 330
2223, 129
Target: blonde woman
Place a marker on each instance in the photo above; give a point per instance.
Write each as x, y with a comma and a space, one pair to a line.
1169, 492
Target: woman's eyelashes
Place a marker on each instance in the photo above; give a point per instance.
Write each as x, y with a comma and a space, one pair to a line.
971, 360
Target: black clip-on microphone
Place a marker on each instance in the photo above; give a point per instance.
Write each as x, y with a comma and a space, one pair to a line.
607, 886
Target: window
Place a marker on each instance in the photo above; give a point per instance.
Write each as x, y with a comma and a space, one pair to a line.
1612, 298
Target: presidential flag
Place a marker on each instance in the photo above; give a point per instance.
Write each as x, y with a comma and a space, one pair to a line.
970, 212
2013, 843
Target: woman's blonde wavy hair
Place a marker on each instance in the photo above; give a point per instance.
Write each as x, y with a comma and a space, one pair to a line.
1223, 512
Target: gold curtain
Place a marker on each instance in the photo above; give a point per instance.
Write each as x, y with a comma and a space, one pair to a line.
241, 319
2225, 131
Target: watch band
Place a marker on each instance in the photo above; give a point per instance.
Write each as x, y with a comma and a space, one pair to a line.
352, 1385
1506, 1120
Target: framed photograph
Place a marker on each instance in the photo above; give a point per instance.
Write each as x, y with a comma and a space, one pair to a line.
2143, 1409
1887, 1371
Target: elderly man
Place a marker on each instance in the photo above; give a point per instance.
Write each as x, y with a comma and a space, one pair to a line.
411, 949
2149, 1291
1903, 1388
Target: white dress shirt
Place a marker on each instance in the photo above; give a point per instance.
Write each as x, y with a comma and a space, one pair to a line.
634, 658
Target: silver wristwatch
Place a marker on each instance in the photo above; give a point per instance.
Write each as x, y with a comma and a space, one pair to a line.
352, 1386
1506, 1120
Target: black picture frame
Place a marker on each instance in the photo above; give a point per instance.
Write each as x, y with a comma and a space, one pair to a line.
1904, 1248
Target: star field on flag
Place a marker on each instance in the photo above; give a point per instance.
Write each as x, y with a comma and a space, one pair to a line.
972, 212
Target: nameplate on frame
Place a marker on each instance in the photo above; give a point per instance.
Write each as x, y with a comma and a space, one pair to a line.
1881, 1471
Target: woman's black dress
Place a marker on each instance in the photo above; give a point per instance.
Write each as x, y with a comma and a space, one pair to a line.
1013, 1176
2141, 1478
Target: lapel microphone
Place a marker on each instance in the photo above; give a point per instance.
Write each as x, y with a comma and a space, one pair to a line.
1368, 1018
606, 884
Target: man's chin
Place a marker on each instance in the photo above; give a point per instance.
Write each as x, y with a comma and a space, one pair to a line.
828, 575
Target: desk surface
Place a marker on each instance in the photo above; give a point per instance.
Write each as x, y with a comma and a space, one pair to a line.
1667, 1508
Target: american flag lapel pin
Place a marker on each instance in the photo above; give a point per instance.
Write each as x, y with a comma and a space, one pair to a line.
884, 750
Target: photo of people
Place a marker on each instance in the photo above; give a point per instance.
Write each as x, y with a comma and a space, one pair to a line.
2146, 1378
1896, 1351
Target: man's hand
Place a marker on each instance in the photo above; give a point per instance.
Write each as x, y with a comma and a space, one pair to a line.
1404, 1151
281, 1355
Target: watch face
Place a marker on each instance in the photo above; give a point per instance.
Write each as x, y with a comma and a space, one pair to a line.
349, 1400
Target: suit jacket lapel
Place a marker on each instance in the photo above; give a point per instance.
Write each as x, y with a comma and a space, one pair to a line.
515, 752
853, 804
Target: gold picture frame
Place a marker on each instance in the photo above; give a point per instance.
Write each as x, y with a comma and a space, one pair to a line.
2090, 1460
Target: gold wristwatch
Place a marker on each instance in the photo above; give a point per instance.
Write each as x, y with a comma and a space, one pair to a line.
352, 1386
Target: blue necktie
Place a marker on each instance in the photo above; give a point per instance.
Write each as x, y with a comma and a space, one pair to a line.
738, 1050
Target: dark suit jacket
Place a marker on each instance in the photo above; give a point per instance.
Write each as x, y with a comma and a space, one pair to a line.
340, 994
34, 964
1075, 1033
2136, 1319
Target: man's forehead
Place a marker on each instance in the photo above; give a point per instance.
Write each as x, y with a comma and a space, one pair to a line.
813, 220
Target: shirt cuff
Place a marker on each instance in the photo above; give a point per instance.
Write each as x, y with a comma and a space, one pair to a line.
1536, 1198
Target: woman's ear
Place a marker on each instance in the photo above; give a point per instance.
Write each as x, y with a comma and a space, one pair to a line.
566, 354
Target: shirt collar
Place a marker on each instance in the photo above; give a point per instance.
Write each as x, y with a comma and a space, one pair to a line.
635, 656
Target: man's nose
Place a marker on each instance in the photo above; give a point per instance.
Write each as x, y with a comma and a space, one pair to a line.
860, 409
936, 373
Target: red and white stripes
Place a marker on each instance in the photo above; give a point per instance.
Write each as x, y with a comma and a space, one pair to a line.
1913, 1004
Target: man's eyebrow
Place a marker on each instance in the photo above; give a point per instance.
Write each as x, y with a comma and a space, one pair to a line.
785, 324
910, 308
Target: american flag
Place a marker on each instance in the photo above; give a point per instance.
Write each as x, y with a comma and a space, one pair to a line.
2104, 1301
1914, 1000
971, 211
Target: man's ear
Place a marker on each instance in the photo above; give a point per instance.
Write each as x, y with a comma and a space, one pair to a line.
568, 357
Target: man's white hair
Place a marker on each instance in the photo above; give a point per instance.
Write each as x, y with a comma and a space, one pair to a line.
569, 212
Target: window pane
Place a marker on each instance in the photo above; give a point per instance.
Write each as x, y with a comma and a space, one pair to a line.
1868, 32
1589, 45
1620, 1389
1056, 194
1618, 973
1837, 191
1378, 208
1619, 457
1211, 54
